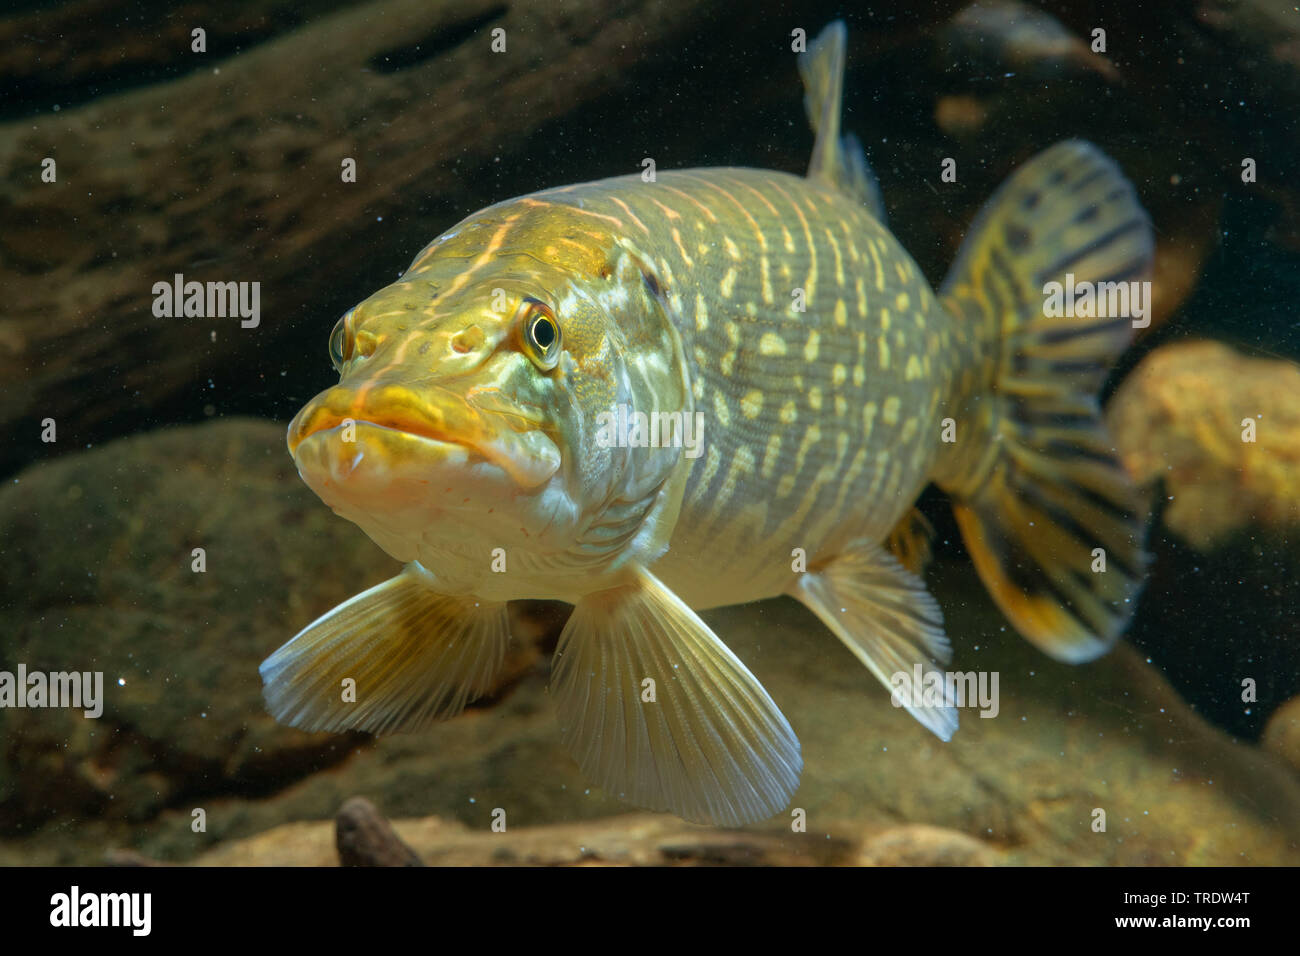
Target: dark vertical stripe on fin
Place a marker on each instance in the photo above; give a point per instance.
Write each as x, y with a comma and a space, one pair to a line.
1054, 525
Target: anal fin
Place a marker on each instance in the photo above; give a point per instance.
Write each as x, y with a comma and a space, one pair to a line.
658, 711
886, 617
416, 656
910, 540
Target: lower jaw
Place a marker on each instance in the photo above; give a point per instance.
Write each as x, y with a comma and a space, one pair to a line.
390, 471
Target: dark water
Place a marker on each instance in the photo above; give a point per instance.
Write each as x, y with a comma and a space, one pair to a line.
224, 165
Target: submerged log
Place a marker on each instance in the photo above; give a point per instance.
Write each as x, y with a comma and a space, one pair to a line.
233, 173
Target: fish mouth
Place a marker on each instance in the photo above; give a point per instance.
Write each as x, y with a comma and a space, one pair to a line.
430, 420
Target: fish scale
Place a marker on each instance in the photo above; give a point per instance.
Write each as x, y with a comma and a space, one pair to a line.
476, 435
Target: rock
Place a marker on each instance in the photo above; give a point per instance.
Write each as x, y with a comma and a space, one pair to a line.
624, 840
96, 572
1007, 34
921, 845
1282, 733
1182, 417
364, 838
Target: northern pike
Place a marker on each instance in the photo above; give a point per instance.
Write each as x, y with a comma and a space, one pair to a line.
474, 435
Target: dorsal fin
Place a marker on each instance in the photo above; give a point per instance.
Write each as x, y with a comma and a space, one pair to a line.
836, 161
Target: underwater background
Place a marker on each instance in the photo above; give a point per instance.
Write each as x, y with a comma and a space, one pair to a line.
168, 433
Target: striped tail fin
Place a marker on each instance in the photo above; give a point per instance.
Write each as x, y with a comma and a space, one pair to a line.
1037, 487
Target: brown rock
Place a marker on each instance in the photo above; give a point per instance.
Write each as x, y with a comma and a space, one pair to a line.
182, 709
364, 838
1282, 733
625, 840
1180, 418
921, 845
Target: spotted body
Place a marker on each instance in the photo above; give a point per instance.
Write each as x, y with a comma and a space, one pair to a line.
468, 437
811, 343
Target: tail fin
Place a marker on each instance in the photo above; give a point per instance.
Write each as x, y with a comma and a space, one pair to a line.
1035, 480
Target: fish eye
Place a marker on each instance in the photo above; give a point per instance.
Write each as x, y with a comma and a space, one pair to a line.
340, 343
541, 333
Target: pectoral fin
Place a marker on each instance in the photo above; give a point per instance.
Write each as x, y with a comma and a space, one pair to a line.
416, 656
886, 617
656, 710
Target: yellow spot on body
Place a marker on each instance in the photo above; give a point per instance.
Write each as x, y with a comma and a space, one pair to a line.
733, 332
686, 258
785, 485
908, 430
751, 405
884, 320
841, 445
701, 356
712, 460
884, 353
727, 363
859, 375
839, 260
720, 409
869, 417
862, 297
913, 371
732, 249
765, 277
901, 302
880, 271
701, 312
889, 413
742, 462
839, 374
841, 313
728, 283
697, 389
841, 406
627, 209
810, 348
810, 437
788, 413
771, 344
666, 210
815, 398
771, 455
751, 309
789, 239
703, 247
903, 269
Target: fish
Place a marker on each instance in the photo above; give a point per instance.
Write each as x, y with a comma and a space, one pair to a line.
476, 434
